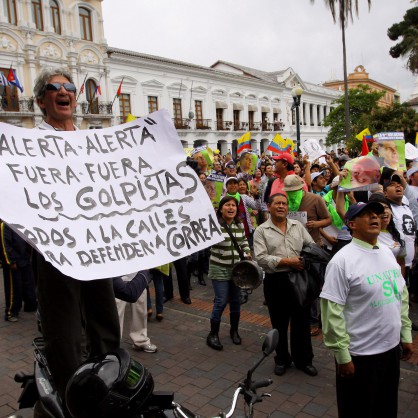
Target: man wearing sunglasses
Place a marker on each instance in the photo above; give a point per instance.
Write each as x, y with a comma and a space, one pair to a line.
56, 97
67, 306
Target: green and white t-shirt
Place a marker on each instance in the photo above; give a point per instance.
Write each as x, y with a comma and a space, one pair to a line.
369, 283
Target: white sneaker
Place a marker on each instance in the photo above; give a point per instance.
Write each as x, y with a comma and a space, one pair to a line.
147, 348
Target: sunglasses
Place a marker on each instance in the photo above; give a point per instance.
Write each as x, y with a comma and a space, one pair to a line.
231, 166
57, 86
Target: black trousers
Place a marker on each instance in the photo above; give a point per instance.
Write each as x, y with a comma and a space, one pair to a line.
67, 308
283, 311
181, 272
19, 288
373, 392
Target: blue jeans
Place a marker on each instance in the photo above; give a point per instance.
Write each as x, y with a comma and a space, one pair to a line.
225, 291
157, 278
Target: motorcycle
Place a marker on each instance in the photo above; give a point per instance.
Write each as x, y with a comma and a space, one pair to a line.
118, 387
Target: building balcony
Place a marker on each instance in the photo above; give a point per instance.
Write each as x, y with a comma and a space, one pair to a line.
96, 108
266, 126
222, 125
278, 126
181, 123
18, 105
240, 126
203, 123
254, 126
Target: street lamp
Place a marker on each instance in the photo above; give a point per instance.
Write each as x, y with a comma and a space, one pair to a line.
296, 93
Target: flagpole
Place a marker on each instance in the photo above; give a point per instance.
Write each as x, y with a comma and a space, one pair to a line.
120, 85
94, 94
79, 92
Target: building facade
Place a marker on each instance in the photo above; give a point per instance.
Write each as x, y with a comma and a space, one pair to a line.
361, 77
209, 105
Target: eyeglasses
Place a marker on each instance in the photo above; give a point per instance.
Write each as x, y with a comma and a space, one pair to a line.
57, 86
231, 166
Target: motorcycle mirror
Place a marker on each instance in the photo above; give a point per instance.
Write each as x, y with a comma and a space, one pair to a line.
270, 342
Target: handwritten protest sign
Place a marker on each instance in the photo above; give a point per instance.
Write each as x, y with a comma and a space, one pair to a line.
411, 152
312, 148
363, 174
108, 202
301, 216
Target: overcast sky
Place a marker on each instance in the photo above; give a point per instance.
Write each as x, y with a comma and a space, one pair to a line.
265, 34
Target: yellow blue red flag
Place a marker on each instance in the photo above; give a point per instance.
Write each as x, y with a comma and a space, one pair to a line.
365, 132
244, 142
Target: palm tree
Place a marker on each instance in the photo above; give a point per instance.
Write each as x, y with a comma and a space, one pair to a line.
345, 11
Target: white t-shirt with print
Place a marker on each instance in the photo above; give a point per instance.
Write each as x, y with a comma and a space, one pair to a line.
404, 222
369, 284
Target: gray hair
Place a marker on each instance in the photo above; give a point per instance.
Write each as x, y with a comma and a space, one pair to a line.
43, 78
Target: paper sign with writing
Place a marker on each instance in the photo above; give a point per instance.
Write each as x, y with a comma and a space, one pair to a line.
312, 148
411, 152
302, 217
107, 202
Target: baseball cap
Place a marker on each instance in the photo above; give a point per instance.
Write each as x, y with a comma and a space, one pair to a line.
411, 171
284, 156
356, 209
230, 164
228, 179
394, 178
292, 182
316, 174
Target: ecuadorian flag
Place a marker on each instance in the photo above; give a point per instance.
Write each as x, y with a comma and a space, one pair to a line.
278, 144
244, 142
364, 133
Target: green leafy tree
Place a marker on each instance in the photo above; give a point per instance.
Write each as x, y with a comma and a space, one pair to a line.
366, 113
407, 30
362, 102
345, 12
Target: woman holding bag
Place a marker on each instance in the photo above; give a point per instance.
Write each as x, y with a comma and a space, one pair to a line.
223, 257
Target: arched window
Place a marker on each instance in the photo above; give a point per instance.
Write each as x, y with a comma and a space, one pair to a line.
10, 10
37, 14
92, 99
85, 24
55, 16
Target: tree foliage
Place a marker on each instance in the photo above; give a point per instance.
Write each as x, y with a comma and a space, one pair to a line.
366, 113
407, 30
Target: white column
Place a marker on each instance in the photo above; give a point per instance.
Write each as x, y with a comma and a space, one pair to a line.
308, 114
315, 114
321, 114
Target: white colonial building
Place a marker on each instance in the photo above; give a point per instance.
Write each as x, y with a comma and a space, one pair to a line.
209, 105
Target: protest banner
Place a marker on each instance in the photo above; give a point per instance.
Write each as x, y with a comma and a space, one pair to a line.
363, 174
313, 149
107, 202
391, 149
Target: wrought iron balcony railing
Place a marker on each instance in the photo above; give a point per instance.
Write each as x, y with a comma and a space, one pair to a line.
222, 125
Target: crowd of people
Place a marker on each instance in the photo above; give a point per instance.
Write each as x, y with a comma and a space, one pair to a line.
269, 213
290, 203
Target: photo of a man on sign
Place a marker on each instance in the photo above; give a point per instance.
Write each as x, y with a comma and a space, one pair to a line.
391, 149
363, 173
